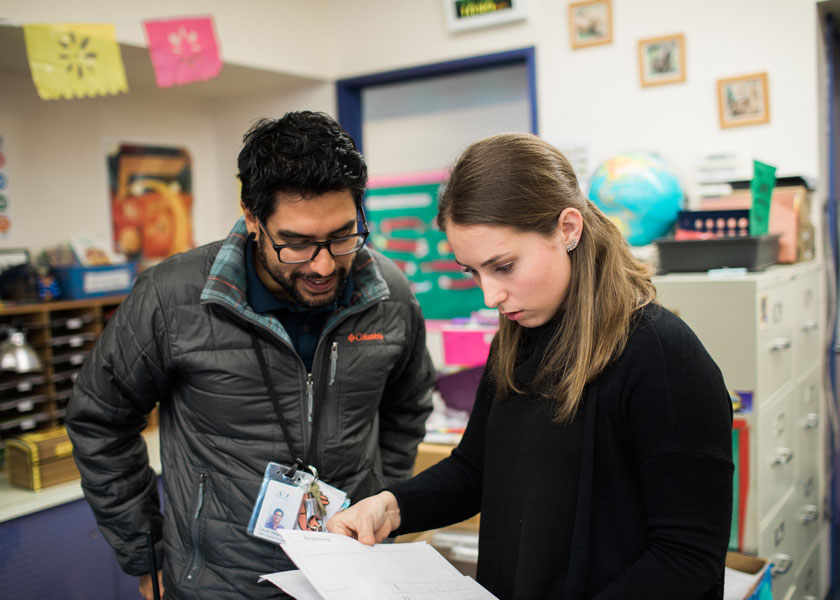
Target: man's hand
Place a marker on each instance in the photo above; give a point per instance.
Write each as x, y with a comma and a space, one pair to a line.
146, 585
369, 521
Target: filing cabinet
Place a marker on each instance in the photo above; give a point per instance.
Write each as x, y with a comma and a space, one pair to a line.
765, 330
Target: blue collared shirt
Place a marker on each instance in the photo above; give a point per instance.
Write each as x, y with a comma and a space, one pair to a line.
303, 324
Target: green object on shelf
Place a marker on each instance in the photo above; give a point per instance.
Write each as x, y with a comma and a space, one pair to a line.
733, 531
761, 186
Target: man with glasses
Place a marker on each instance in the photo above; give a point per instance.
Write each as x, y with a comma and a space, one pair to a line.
290, 342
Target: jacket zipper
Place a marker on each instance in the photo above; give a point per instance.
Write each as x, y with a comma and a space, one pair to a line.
333, 361
310, 380
310, 399
198, 559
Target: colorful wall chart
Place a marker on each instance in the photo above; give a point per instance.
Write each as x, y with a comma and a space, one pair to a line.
401, 213
5, 209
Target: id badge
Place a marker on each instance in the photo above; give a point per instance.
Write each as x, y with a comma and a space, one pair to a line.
278, 502
296, 501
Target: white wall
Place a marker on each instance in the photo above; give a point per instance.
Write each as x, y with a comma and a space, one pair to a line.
56, 153
593, 94
589, 94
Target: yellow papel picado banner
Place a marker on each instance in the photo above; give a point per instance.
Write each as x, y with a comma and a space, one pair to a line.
74, 60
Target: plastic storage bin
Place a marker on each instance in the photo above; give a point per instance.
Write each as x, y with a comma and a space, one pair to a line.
751, 252
94, 282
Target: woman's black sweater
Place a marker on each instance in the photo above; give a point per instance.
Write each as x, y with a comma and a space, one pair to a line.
632, 500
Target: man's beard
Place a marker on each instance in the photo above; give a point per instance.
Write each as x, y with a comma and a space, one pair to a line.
290, 284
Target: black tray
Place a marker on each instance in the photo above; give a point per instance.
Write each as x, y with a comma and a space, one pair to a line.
751, 252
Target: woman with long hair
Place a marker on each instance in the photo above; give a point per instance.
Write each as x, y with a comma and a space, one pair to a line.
599, 449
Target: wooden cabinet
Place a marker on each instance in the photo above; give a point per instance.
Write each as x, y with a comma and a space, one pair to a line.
765, 331
62, 333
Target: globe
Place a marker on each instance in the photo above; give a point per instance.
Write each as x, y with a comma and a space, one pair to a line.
640, 193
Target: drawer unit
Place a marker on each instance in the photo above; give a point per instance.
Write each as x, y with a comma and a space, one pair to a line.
810, 417
810, 579
62, 334
765, 332
807, 333
777, 457
779, 543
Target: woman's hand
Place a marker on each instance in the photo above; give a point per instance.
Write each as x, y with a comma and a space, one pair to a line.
369, 521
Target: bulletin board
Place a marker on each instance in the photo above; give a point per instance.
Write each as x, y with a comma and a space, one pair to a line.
401, 218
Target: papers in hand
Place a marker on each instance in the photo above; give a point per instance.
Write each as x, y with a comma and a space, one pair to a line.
334, 567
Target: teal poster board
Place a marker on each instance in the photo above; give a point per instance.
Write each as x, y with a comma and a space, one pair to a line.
401, 222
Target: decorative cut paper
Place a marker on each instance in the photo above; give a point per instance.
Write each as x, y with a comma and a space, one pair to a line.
183, 50
74, 60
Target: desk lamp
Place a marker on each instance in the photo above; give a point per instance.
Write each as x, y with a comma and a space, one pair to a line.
16, 354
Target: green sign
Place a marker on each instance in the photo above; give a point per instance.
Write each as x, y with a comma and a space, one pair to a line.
761, 186
401, 222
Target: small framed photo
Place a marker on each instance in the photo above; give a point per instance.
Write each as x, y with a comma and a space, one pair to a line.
662, 60
472, 14
590, 23
743, 100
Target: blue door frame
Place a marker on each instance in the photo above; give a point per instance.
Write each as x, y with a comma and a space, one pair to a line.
349, 91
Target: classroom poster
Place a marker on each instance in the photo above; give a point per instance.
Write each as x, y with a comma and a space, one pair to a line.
5, 208
401, 218
151, 201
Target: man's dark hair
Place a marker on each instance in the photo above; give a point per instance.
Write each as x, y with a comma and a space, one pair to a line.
303, 153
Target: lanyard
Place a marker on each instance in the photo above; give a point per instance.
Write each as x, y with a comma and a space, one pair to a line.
298, 461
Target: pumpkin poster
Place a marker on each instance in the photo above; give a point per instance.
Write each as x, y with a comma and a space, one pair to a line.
151, 201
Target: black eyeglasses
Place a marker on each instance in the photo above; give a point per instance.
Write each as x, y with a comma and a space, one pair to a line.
293, 254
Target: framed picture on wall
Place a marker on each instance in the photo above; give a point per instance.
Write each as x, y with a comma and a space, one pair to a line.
743, 100
471, 14
662, 60
590, 23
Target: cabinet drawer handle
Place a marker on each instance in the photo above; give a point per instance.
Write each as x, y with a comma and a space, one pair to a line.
809, 597
781, 564
779, 344
810, 325
809, 514
812, 421
783, 456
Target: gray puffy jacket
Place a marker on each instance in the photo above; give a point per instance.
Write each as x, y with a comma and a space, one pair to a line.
183, 338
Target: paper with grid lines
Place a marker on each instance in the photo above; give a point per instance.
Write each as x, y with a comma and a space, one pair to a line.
341, 568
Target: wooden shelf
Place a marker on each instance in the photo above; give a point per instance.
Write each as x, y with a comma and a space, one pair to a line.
63, 334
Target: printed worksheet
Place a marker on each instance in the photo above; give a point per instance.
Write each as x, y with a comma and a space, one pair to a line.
341, 568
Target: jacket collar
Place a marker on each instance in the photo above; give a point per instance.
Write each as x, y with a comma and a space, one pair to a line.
227, 283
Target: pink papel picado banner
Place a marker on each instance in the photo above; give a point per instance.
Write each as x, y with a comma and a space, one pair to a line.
183, 50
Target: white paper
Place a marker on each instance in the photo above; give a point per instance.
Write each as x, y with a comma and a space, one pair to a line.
464, 588
737, 584
293, 583
341, 568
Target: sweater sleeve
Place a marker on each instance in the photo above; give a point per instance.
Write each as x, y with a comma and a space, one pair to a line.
679, 417
449, 491
119, 384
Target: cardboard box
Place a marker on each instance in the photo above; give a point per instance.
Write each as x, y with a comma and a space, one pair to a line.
759, 567
41, 459
790, 213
